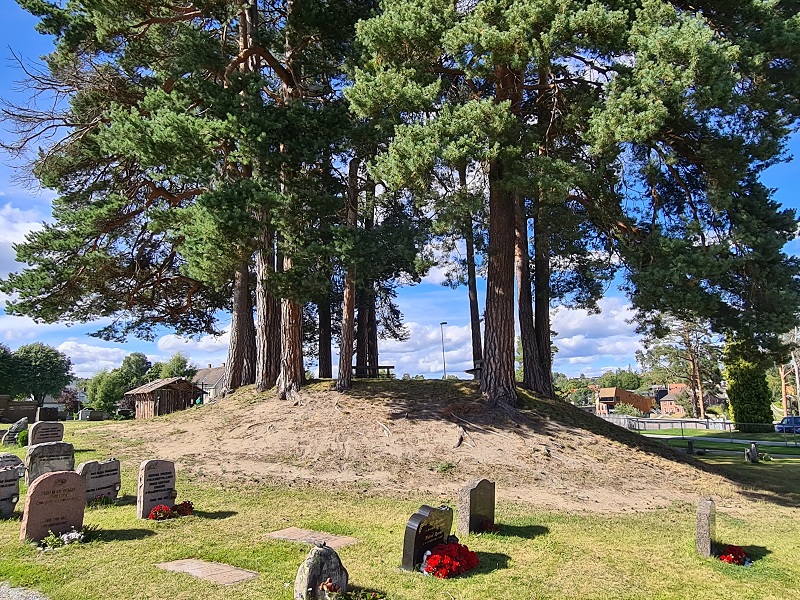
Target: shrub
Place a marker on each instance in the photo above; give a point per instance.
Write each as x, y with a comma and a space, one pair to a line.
22, 438
627, 409
748, 391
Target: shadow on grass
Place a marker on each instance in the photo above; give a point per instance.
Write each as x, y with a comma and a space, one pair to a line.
754, 553
122, 535
362, 593
488, 562
522, 531
219, 514
126, 500
775, 481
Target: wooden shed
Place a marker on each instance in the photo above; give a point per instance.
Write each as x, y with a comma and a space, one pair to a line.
164, 396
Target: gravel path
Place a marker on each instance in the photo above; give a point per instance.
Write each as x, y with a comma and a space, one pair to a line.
9, 593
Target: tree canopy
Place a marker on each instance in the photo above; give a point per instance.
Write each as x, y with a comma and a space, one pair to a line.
40, 370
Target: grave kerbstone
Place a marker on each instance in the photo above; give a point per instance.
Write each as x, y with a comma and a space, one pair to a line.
55, 502
45, 431
10, 438
46, 413
476, 502
12, 460
103, 479
427, 528
321, 564
706, 520
47, 458
156, 486
9, 490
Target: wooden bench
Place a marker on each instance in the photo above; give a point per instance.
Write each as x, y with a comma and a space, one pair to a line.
363, 371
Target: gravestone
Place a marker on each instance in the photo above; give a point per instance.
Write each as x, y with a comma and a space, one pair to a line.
45, 431
475, 507
12, 460
10, 438
156, 486
102, 479
55, 502
3, 433
427, 528
49, 413
706, 519
87, 414
47, 458
751, 454
321, 564
9, 490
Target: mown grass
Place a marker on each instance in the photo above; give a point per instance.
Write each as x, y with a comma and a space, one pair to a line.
537, 554
786, 438
738, 447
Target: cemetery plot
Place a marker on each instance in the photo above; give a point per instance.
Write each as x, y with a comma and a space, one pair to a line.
10, 437
9, 490
55, 502
103, 479
210, 571
476, 503
47, 458
156, 486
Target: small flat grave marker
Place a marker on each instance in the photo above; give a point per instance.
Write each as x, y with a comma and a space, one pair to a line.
156, 486
210, 571
9, 490
49, 413
55, 502
476, 502
48, 458
426, 528
706, 519
307, 536
45, 431
103, 479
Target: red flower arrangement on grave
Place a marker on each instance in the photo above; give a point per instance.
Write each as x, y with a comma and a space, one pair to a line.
733, 555
161, 512
449, 560
184, 509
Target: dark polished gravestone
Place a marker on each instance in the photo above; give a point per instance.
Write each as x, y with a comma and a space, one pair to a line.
45, 431
9, 491
55, 502
427, 528
156, 486
476, 502
103, 479
47, 458
49, 413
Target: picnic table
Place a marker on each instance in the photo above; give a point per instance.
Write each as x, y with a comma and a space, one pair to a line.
376, 372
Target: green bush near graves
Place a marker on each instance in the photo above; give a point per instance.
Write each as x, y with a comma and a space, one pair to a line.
22, 438
537, 553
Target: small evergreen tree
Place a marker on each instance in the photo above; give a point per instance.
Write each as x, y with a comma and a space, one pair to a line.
748, 391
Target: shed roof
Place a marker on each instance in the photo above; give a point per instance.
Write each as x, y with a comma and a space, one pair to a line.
174, 383
210, 376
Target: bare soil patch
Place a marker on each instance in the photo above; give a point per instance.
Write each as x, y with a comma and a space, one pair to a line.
418, 439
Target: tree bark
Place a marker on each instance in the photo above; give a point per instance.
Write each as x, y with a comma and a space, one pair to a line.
249, 333
268, 325
324, 352
234, 363
782, 374
472, 284
497, 375
543, 365
291, 375
345, 376
525, 297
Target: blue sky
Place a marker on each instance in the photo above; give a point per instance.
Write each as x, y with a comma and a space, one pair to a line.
587, 344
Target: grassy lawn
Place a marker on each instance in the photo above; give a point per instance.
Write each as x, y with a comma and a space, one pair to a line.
722, 445
537, 554
787, 438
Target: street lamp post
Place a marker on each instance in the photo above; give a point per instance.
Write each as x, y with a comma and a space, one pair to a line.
444, 362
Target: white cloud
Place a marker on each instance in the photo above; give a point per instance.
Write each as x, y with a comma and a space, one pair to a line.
15, 224
19, 330
88, 360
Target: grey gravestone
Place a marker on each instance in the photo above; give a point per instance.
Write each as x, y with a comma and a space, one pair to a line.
475, 507
321, 564
102, 479
751, 454
47, 458
49, 413
9, 490
88, 414
3, 433
10, 438
55, 502
426, 528
45, 431
706, 518
12, 460
156, 486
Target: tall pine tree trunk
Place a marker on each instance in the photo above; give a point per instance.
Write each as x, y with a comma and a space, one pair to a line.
324, 351
345, 375
525, 298
249, 334
472, 283
268, 325
543, 365
234, 364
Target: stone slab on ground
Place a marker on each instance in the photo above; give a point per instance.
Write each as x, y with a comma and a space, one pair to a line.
210, 571
307, 536
15, 593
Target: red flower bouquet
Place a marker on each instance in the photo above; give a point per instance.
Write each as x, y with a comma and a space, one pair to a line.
184, 509
449, 560
733, 555
161, 512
